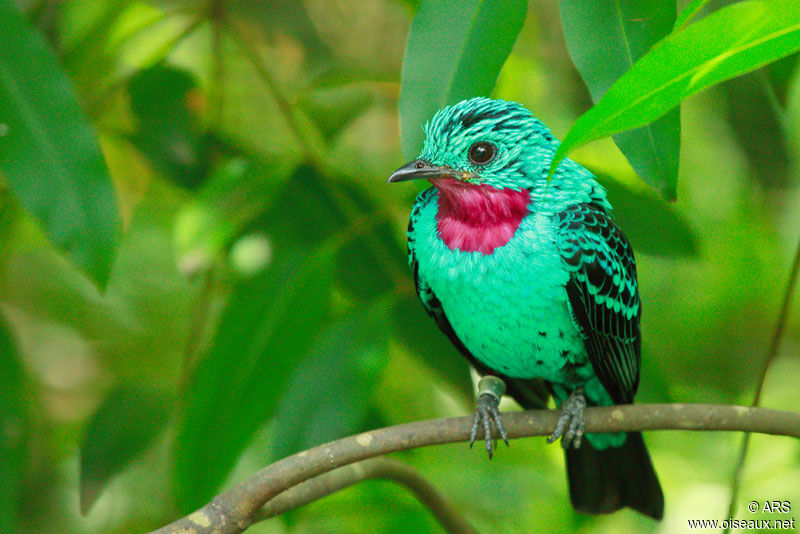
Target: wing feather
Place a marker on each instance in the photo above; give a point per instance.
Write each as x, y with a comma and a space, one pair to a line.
603, 295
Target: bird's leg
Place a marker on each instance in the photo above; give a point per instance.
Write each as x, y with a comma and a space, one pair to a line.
570, 425
490, 390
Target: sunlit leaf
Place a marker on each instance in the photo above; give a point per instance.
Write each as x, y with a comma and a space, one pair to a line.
455, 51
49, 152
127, 421
266, 328
732, 41
605, 38
251, 118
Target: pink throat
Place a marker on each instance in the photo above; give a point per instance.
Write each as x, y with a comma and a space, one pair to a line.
478, 217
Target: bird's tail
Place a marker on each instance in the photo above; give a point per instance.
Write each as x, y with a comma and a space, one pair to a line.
603, 481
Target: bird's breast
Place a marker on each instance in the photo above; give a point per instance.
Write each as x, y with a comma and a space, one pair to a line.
509, 308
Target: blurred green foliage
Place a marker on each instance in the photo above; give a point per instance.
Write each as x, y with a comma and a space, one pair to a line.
231, 156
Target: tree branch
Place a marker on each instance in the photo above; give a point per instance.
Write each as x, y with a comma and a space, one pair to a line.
373, 468
237, 508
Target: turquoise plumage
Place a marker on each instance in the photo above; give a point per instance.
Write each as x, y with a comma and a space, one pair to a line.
535, 284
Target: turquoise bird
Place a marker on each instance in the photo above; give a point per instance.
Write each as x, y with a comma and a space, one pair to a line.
534, 283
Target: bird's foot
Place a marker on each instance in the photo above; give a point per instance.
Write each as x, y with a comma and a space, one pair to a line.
490, 390
570, 425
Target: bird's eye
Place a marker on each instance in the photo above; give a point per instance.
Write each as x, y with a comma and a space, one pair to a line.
481, 153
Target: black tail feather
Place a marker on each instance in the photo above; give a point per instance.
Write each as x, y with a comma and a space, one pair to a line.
603, 481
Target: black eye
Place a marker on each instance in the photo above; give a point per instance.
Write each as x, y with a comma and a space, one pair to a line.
481, 153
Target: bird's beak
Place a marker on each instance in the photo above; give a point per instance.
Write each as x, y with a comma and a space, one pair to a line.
419, 169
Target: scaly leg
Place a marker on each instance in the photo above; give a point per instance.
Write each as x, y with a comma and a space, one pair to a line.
570, 425
490, 390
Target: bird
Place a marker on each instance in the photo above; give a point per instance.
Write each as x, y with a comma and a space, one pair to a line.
530, 278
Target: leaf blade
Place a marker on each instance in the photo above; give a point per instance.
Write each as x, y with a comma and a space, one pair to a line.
455, 51
265, 329
127, 421
689, 12
14, 427
328, 395
625, 30
734, 40
49, 152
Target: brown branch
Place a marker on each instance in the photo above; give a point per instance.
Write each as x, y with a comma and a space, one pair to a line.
237, 508
371, 469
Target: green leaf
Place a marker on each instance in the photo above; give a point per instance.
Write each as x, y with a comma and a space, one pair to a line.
281, 18
127, 421
605, 38
425, 341
732, 41
49, 152
455, 51
689, 12
756, 116
168, 131
359, 271
305, 198
780, 75
266, 328
652, 224
14, 456
333, 108
328, 396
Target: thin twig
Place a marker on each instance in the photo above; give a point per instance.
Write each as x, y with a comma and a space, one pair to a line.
772, 351
374, 468
235, 509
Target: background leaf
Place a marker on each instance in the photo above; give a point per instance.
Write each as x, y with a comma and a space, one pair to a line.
265, 330
605, 38
455, 51
328, 396
14, 427
48, 151
428, 344
753, 108
730, 42
652, 224
127, 421
167, 129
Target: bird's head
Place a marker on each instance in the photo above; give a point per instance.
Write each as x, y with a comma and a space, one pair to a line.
482, 141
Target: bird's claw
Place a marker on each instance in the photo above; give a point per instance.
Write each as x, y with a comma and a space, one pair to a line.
570, 425
490, 389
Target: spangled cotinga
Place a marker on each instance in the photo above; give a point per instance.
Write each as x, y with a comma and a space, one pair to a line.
533, 282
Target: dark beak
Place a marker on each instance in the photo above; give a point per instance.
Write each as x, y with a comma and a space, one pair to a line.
418, 169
